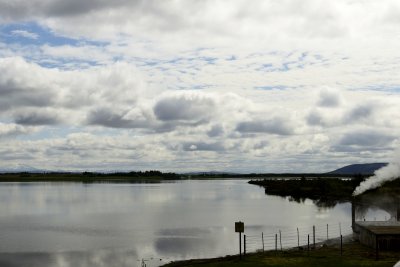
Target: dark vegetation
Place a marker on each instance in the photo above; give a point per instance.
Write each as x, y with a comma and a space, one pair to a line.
90, 177
324, 192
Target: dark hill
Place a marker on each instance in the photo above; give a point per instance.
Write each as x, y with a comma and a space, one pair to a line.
364, 169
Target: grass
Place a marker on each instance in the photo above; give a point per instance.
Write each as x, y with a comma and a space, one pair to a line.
354, 254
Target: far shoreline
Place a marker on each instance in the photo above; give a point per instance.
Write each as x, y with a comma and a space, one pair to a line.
147, 176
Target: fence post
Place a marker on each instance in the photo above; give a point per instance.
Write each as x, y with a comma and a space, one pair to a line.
276, 242
240, 245
313, 236
308, 244
262, 239
340, 229
341, 245
244, 247
327, 232
298, 238
280, 238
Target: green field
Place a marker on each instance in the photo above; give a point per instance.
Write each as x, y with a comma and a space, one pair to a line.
354, 254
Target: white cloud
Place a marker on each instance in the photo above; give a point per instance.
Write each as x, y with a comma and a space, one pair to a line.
26, 34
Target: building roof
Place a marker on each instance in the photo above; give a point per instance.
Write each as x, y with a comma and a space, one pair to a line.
381, 228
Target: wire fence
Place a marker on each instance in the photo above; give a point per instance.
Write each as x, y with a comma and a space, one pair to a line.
298, 237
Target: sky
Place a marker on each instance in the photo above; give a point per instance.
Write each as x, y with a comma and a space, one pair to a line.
188, 85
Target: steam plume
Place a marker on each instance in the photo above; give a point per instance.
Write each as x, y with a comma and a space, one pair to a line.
384, 174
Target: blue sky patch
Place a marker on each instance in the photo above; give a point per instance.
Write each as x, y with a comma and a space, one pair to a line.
31, 33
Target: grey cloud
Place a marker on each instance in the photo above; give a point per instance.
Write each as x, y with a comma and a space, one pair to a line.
184, 108
261, 145
19, 86
11, 97
16, 9
108, 118
359, 113
315, 119
20, 9
328, 99
366, 139
203, 146
77, 7
274, 126
37, 118
216, 130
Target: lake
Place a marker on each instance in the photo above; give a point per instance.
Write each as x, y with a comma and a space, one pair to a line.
74, 224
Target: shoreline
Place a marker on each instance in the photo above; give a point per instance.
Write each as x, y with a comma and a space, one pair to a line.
326, 254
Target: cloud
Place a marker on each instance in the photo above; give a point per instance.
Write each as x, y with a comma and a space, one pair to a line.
367, 138
361, 112
37, 118
203, 146
185, 107
22, 84
329, 98
276, 125
109, 118
216, 130
260, 20
166, 79
12, 130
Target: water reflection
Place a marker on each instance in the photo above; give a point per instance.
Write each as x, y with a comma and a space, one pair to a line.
45, 224
102, 258
321, 202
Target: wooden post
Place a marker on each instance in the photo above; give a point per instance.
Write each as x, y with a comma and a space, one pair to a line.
376, 248
327, 231
280, 238
276, 242
262, 239
239, 228
244, 245
313, 228
341, 245
340, 229
308, 244
353, 215
240, 245
298, 238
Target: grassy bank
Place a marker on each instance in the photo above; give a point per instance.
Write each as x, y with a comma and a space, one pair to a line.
354, 254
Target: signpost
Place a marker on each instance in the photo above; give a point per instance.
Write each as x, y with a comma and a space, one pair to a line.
239, 228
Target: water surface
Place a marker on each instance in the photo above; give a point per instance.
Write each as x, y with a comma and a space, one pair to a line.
73, 224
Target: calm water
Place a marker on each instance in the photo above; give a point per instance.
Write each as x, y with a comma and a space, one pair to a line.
71, 224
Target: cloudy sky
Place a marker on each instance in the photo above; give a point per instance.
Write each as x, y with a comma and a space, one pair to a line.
188, 85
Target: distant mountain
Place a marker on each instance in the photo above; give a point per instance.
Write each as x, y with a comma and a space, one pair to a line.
20, 168
365, 169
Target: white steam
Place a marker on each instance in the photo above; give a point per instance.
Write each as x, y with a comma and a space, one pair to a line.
384, 174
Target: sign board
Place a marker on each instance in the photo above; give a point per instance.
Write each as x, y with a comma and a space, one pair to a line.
239, 227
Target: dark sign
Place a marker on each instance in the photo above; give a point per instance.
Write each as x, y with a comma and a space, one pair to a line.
239, 227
